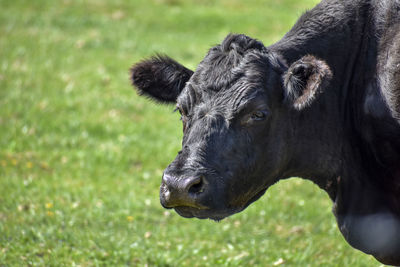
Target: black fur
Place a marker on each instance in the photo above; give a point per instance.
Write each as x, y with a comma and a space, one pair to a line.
323, 103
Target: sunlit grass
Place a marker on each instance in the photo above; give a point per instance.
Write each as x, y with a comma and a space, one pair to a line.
81, 156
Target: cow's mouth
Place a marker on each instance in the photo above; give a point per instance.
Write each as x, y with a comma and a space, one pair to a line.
215, 214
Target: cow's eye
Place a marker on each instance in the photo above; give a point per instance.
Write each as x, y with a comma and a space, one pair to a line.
258, 115
178, 109
184, 117
181, 111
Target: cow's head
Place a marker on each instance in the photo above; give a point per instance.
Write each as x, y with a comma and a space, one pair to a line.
235, 112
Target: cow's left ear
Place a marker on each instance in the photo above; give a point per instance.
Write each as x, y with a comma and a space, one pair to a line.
304, 80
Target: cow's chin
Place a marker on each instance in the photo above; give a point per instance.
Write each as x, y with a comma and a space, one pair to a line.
215, 214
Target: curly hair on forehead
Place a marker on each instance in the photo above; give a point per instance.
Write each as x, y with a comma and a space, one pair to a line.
240, 43
216, 71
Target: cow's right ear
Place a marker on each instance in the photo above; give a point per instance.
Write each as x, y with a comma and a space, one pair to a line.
160, 77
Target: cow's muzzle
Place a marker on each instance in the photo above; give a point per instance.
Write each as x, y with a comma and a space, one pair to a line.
183, 192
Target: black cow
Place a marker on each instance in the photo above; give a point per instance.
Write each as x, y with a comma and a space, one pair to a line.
323, 103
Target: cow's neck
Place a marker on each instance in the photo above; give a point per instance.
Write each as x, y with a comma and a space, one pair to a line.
337, 37
338, 32
367, 215
334, 32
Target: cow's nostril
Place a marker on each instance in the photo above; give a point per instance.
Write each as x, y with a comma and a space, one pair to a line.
197, 186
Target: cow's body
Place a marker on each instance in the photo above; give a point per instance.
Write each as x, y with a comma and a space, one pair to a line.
360, 41
323, 103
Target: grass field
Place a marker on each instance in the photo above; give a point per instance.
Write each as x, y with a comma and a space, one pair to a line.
81, 155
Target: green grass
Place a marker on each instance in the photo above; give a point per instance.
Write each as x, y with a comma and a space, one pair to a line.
81, 155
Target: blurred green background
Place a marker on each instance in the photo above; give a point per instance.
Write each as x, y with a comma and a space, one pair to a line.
81, 155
